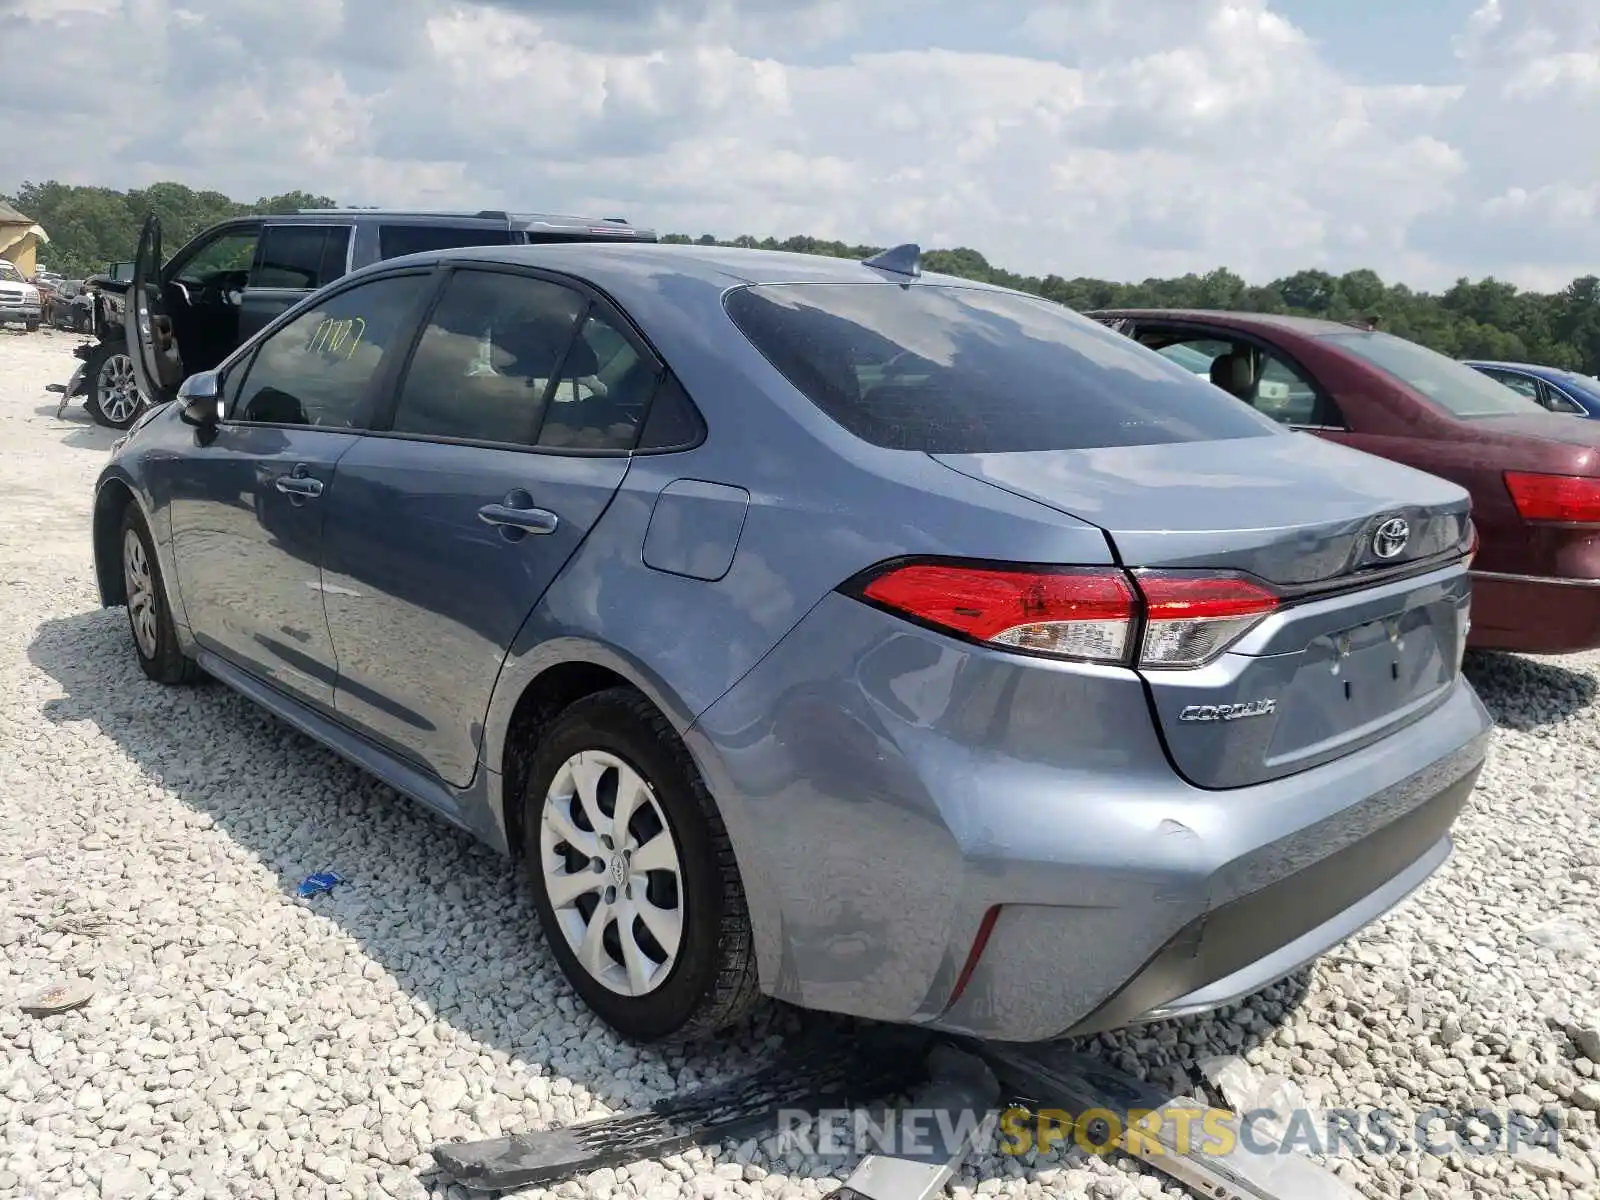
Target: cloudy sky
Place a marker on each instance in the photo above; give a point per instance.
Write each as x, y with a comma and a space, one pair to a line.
1117, 138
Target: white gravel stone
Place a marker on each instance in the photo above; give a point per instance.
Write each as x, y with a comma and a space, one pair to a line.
243, 1043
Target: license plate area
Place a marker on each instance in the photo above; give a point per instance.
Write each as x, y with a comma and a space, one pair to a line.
1353, 683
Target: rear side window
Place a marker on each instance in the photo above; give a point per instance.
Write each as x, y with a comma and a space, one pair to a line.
957, 370
395, 240
303, 257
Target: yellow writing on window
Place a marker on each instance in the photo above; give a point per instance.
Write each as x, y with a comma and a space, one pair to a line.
337, 338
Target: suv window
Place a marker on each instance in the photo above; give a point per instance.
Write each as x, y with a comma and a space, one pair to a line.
305, 257
227, 254
1454, 386
947, 369
396, 240
317, 370
486, 360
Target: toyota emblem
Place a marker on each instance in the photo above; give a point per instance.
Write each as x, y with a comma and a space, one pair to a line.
1391, 537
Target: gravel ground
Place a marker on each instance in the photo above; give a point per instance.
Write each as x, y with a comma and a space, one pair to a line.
243, 1042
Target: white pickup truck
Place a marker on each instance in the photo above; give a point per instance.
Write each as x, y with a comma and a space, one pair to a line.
19, 299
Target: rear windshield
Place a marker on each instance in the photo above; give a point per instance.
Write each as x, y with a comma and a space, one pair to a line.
1448, 383
1585, 385
953, 370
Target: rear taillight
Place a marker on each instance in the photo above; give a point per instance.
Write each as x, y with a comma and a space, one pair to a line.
1082, 614
1190, 619
1160, 619
1561, 499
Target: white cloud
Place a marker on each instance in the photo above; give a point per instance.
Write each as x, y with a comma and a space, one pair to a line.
1195, 134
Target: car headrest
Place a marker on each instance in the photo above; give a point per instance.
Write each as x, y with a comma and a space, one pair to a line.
1232, 372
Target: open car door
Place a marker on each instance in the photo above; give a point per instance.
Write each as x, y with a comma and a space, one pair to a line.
152, 344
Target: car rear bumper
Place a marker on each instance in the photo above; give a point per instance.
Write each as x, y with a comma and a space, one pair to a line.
892, 793
1534, 614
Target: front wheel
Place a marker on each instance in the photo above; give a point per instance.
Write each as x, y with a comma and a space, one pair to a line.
31, 326
155, 640
633, 874
111, 393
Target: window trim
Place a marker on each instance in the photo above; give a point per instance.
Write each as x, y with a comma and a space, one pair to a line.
1326, 405
598, 303
247, 354
269, 225
191, 249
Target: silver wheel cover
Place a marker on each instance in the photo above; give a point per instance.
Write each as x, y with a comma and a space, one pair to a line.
141, 588
610, 868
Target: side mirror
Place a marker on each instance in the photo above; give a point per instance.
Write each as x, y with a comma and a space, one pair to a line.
201, 398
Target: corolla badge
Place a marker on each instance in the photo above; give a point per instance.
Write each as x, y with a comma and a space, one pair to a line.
1228, 712
1391, 537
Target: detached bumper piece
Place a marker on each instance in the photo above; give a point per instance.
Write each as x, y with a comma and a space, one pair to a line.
963, 1081
812, 1076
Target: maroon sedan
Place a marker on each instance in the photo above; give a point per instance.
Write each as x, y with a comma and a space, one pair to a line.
1534, 475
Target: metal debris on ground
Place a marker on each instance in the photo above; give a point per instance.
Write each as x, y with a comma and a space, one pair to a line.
58, 998
315, 885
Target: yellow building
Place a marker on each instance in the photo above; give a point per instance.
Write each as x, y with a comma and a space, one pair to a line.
20, 239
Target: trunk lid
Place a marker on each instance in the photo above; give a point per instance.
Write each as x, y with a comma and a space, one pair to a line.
1362, 645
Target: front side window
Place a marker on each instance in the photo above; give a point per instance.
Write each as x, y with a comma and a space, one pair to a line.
1520, 384
1260, 378
946, 369
228, 254
1454, 386
318, 369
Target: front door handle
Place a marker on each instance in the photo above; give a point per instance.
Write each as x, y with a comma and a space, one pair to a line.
528, 520
298, 485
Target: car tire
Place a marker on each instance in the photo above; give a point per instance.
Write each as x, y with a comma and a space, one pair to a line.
31, 326
617, 740
155, 640
111, 394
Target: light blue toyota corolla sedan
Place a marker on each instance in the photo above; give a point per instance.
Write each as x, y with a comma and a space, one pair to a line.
886, 643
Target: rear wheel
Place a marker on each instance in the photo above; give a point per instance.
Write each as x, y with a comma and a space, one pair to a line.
155, 640
633, 874
111, 394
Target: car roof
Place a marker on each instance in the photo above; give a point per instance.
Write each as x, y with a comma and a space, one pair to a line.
561, 222
1530, 368
611, 264
1305, 326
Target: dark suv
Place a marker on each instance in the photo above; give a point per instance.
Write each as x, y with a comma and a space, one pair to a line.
229, 281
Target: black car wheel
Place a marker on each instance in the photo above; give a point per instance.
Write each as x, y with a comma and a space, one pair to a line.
633, 874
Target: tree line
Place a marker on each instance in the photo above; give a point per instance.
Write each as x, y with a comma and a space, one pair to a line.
90, 227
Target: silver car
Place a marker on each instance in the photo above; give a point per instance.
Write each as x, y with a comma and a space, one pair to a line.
887, 643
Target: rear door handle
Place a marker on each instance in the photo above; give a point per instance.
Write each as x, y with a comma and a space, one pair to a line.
298, 485
528, 520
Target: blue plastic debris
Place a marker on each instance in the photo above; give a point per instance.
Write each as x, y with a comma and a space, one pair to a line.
322, 881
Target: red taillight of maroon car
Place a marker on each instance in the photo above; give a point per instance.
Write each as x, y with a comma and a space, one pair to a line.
1159, 619
1555, 499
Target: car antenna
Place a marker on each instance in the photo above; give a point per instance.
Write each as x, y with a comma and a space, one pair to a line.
901, 260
